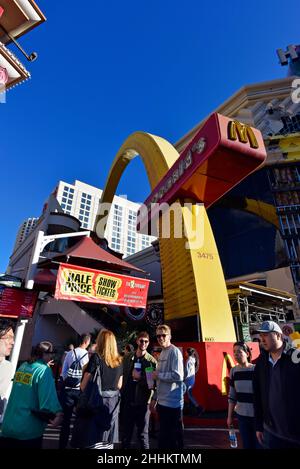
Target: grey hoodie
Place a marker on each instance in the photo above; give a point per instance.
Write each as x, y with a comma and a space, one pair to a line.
170, 377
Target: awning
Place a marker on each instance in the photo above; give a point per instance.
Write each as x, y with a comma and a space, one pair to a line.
246, 288
19, 17
87, 253
44, 280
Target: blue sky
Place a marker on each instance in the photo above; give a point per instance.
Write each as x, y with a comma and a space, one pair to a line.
107, 69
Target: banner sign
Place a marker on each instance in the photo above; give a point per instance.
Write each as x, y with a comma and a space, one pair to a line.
17, 302
95, 286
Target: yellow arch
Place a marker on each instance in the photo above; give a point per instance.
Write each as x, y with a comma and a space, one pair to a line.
193, 279
163, 156
263, 210
228, 361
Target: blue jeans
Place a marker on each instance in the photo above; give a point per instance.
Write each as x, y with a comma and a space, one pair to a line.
189, 382
247, 432
191, 397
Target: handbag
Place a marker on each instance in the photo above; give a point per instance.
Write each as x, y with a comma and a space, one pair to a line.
91, 405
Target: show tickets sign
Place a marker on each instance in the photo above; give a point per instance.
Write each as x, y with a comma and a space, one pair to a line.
96, 286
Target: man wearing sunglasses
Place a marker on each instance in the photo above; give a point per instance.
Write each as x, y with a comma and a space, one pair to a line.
169, 393
137, 392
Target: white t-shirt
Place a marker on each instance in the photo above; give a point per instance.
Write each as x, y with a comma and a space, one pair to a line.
6, 376
70, 358
190, 367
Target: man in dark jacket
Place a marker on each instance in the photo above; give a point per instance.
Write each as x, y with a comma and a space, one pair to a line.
276, 385
137, 392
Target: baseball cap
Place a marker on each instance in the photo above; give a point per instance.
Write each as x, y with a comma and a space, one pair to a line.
269, 326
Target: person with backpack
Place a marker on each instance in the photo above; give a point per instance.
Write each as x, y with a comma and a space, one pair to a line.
98, 426
71, 375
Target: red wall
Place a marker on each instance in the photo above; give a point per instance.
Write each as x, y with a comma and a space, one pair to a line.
208, 385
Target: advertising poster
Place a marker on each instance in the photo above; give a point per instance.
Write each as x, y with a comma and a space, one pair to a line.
95, 286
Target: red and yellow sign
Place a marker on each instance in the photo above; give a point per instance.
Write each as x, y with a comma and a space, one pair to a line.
95, 286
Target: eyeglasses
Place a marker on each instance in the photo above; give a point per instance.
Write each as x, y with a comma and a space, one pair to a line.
8, 338
144, 340
161, 335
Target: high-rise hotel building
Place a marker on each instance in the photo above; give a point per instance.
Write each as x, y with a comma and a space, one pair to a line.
82, 201
26, 227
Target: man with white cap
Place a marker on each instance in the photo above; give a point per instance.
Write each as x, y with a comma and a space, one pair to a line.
276, 385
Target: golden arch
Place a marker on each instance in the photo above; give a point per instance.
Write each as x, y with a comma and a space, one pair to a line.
227, 363
193, 280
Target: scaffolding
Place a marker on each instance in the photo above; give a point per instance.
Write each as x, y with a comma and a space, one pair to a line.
284, 181
252, 304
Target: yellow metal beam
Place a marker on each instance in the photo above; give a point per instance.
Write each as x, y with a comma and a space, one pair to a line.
263, 210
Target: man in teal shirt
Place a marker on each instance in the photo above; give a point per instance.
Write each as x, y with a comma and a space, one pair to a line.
33, 396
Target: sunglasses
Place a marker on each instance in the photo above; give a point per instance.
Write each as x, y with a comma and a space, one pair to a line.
161, 335
144, 340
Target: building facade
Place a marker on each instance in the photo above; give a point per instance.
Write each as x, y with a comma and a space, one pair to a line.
256, 225
26, 227
17, 17
82, 201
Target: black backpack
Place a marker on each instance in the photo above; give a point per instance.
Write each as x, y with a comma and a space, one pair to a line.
74, 374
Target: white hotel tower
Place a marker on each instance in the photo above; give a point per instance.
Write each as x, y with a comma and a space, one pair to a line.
82, 201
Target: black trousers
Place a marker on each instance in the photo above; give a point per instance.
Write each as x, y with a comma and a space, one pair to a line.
170, 427
135, 415
13, 443
68, 399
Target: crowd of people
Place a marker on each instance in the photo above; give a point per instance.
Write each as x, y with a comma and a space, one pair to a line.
265, 395
112, 394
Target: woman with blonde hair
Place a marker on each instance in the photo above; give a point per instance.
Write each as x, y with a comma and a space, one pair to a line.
106, 364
